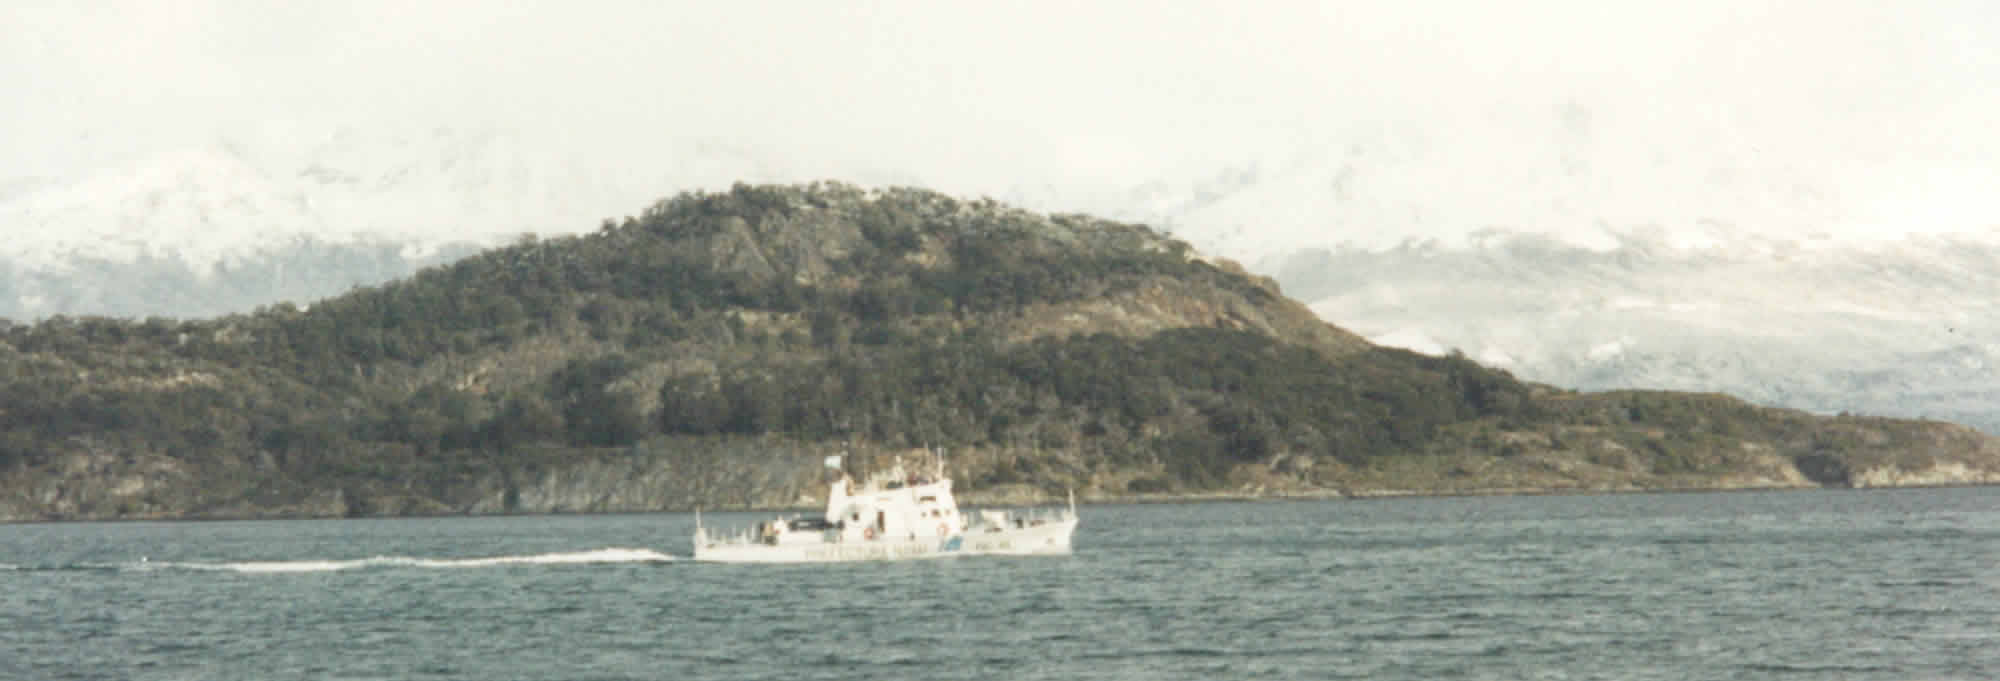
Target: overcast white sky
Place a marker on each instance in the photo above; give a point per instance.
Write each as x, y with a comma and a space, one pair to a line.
977, 95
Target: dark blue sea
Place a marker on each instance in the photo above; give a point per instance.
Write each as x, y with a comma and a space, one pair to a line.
1794, 585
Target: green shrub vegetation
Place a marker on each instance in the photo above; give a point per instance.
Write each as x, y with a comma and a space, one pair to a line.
825, 313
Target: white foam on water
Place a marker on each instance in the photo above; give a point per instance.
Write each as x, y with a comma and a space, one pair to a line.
606, 555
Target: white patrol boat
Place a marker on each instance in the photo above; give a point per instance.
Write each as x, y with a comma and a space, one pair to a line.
893, 515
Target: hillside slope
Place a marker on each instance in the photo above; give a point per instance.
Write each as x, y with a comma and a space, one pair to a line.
1705, 265
707, 352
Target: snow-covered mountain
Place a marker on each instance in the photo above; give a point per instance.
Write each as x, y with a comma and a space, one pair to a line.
1635, 249
1907, 328
1595, 251
287, 214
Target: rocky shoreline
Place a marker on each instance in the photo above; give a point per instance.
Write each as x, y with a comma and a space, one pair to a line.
629, 487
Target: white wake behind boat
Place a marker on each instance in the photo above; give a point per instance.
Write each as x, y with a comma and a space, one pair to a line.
893, 515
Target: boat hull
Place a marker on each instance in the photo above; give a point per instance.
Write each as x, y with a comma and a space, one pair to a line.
1047, 538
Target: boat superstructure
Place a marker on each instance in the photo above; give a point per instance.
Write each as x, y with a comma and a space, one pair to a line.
893, 514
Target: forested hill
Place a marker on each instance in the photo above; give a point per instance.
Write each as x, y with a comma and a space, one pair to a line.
709, 351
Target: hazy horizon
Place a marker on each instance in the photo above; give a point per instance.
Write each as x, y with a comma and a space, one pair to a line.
1852, 119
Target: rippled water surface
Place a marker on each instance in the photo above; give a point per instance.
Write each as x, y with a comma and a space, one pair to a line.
1800, 585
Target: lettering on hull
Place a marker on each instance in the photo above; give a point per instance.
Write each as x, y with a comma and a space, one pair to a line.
1002, 545
878, 551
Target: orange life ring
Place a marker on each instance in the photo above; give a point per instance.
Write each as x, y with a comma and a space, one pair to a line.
943, 529
868, 533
